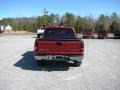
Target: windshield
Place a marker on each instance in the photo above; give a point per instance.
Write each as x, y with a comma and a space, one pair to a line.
59, 33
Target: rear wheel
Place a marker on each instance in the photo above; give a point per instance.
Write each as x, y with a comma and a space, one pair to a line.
106, 37
84, 37
40, 62
77, 63
92, 37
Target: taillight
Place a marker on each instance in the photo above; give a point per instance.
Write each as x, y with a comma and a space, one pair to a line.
36, 45
82, 46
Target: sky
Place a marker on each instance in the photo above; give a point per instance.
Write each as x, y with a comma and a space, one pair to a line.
28, 8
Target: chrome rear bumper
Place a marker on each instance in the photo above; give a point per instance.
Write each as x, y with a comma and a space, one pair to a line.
60, 57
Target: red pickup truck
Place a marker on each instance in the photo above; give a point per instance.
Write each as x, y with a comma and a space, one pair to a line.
88, 33
102, 34
59, 43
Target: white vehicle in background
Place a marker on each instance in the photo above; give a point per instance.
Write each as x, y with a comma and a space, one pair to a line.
40, 31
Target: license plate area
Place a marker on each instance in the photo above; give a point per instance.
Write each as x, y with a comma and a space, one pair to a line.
55, 57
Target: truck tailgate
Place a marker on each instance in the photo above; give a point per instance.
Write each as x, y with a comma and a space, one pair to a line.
59, 46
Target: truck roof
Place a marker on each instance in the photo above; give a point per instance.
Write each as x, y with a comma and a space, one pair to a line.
67, 27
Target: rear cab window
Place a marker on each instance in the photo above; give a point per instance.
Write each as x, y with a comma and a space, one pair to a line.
59, 33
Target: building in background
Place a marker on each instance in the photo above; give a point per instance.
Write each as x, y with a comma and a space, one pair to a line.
8, 29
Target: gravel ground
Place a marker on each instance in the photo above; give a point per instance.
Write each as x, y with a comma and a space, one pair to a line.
100, 69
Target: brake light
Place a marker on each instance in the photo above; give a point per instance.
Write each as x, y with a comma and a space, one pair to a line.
36, 45
82, 46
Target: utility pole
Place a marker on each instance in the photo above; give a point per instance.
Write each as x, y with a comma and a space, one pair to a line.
45, 13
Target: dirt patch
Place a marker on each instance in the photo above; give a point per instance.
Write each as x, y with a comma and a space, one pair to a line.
19, 33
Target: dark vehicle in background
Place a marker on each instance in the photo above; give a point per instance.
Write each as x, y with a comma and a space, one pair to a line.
102, 34
0, 31
88, 33
117, 34
59, 43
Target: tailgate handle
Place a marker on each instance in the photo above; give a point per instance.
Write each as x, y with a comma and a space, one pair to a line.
59, 43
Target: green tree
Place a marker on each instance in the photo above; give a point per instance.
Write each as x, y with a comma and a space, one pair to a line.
115, 25
79, 24
69, 19
103, 23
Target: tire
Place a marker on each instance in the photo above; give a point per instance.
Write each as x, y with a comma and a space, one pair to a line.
77, 63
92, 37
106, 37
40, 62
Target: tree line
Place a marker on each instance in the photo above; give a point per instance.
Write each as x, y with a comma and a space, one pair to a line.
110, 23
